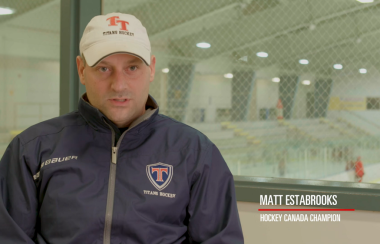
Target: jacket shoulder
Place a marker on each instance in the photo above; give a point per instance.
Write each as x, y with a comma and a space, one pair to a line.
51, 126
183, 134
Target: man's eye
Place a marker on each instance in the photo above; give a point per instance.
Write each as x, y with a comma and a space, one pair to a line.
133, 68
103, 69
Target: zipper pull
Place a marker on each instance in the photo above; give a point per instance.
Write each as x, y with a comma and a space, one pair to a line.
114, 152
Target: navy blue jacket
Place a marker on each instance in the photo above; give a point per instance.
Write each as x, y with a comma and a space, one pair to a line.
77, 179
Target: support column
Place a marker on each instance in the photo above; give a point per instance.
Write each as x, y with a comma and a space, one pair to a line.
242, 89
75, 14
287, 93
180, 81
322, 97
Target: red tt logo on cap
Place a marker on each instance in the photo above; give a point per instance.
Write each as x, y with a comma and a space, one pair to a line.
113, 22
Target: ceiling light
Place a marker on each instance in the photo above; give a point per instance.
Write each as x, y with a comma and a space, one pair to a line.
312, 27
229, 76
245, 58
166, 70
303, 61
276, 79
338, 66
306, 82
365, 1
363, 71
203, 45
4, 11
262, 54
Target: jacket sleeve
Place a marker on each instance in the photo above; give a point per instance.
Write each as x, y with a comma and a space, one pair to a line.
213, 214
18, 199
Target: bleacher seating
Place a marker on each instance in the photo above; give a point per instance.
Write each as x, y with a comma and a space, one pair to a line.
264, 141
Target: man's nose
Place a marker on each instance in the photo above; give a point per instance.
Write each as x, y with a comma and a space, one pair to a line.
119, 81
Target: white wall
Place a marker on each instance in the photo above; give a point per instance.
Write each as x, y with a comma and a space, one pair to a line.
300, 102
209, 92
29, 67
266, 94
352, 84
31, 91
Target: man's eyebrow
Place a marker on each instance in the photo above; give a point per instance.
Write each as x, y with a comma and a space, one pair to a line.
102, 62
135, 60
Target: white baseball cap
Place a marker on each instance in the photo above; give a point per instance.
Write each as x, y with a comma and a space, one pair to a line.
114, 33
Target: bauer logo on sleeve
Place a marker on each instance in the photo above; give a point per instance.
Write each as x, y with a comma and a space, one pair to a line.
159, 175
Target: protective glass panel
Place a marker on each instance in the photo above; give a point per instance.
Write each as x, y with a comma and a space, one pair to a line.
29, 65
284, 88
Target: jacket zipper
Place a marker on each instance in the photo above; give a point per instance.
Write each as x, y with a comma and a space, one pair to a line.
111, 189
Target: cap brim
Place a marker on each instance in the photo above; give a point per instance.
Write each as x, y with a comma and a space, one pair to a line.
100, 50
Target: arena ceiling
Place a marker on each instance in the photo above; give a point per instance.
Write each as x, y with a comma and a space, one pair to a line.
325, 31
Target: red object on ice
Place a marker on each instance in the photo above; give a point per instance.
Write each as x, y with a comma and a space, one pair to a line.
359, 169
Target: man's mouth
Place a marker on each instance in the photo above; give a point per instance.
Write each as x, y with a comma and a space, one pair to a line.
119, 101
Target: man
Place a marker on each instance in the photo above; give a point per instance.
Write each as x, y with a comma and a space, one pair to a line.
116, 171
359, 170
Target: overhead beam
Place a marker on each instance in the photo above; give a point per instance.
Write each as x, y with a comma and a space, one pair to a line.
349, 58
189, 25
294, 28
349, 40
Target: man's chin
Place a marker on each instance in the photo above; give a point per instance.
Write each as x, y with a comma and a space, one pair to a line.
122, 120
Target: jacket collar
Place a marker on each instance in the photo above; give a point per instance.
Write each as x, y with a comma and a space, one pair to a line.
99, 121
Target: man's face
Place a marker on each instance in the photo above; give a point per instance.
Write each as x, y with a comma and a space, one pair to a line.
118, 86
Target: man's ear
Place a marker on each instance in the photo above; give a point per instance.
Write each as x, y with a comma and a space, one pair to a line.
80, 67
152, 68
